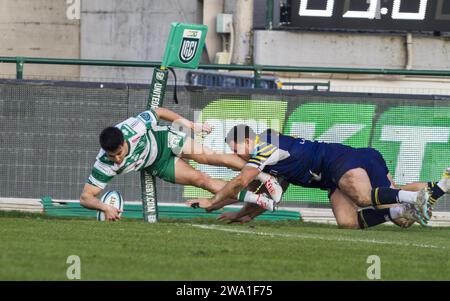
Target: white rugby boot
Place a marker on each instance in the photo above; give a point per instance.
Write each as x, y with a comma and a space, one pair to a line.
411, 214
422, 204
272, 185
265, 202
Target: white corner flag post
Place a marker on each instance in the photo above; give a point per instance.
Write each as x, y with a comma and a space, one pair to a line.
183, 50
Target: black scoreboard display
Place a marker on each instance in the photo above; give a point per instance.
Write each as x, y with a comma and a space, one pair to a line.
368, 15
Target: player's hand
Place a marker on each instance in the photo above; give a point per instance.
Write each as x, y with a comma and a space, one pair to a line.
199, 203
111, 213
232, 217
244, 219
203, 128
229, 215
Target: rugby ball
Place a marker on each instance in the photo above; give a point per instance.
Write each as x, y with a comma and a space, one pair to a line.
112, 198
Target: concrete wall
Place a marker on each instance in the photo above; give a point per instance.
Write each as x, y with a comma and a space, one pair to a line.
130, 30
38, 28
348, 50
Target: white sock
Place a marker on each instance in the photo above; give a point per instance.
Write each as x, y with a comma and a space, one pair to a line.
396, 212
253, 198
407, 196
442, 186
263, 177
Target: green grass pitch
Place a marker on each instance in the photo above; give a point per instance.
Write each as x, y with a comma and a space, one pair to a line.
34, 247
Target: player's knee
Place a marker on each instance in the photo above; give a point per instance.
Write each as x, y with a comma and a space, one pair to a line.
353, 184
363, 200
348, 224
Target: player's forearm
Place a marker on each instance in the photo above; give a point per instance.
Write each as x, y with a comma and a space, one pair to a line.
91, 202
227, 194
171, 116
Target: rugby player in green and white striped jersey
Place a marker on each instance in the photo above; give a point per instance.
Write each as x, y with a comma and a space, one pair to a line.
139, 143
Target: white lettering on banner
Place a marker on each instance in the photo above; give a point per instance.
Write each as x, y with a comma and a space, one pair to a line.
413, 141
338, 133
305, 130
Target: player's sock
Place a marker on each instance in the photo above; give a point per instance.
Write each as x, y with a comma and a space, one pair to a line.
258, 199
436, 192
248, 196
384, 196
396, 212
370, 217
387, 196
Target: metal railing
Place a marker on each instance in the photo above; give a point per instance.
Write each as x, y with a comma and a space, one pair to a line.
256, 69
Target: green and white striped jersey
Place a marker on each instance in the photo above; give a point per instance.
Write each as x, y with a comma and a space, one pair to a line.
143, 149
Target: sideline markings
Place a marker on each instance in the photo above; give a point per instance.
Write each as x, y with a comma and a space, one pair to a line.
317, 237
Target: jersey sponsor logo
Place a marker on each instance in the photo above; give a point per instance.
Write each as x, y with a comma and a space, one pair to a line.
146, 116
173, 140
127, 131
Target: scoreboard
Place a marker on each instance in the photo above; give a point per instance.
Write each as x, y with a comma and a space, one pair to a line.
366, 15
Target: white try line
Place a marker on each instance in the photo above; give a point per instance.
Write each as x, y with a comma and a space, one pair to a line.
317, 237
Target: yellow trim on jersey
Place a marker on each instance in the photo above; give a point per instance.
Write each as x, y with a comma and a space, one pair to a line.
260, 158
269, 152
255, 161
264, 148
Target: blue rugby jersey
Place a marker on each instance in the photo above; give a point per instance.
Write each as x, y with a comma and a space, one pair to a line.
297, 160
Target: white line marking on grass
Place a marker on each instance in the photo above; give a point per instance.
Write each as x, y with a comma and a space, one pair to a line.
318, 237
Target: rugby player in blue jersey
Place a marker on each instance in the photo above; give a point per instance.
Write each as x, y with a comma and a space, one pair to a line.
358, 181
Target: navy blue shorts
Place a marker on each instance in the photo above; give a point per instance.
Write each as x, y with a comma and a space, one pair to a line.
345, 159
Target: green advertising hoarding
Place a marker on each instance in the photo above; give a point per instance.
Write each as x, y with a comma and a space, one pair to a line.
414, 142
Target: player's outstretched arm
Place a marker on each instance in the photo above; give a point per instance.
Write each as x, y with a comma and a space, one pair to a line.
171, 116
232, 188
89, 200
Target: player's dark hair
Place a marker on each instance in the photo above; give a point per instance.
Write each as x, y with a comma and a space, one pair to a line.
111, 138
239, 133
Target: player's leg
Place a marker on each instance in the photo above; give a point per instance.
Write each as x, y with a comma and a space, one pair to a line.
375, 189
344, 209
436, 189
185, 174
201, 154
355, 184
349, 216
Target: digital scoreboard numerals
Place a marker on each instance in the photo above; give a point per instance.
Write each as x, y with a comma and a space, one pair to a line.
397, 14
370, 13
304, 11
